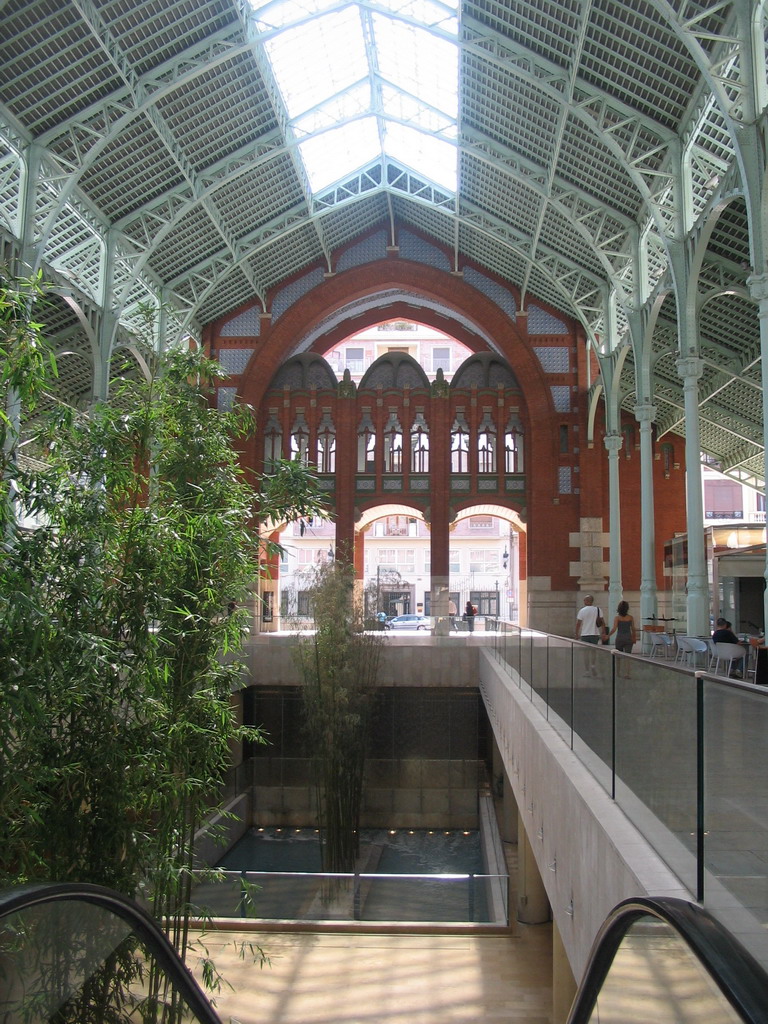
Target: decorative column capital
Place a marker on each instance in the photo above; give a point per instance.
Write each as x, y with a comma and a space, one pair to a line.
690, 368
758, 286
613, 442
645, 412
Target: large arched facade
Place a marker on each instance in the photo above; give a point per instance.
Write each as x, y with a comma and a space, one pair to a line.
512, 428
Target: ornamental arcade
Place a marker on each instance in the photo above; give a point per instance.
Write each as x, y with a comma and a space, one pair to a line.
514, 431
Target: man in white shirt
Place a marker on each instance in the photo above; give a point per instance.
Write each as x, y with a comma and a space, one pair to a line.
587, 628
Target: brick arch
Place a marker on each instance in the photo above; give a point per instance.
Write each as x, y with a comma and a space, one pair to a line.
454, 296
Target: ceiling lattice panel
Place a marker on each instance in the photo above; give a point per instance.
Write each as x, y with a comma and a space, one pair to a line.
161, 120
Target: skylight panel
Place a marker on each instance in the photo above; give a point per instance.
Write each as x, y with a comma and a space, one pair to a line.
417, 62
335, 111
402, 107
397, 64
435, 158
318, 59
339, 152
280, 13
428, 13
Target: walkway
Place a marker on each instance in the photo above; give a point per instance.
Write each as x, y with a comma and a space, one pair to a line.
343, 978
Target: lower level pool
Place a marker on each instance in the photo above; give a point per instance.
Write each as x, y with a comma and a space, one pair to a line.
386, 851
402, 875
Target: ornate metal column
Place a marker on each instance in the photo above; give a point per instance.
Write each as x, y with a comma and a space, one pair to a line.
690, 370
758, 289
613, 443
645, 414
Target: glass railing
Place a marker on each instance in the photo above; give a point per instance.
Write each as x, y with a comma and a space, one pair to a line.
682, 752
81, 954
355, 897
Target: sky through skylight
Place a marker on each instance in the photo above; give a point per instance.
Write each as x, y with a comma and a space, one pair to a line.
363, 82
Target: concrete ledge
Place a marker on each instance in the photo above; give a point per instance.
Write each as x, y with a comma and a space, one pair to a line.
590, 856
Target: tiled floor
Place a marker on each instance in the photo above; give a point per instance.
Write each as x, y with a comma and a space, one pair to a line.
336, 978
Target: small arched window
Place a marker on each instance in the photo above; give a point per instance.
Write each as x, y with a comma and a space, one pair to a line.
419, 445
273, 439
486, 444
513, 446
393, 444
300, 440
366, 444
460, 444
326, 444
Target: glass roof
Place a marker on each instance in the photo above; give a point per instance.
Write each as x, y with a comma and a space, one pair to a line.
362, 82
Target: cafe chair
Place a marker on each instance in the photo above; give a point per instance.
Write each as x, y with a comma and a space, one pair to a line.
697, 647
683, 648
661, 643
728, 654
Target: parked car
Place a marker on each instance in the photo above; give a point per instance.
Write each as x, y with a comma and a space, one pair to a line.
408, 622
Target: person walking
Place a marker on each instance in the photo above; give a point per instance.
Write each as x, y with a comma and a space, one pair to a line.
587, 628
469, 616
624, 628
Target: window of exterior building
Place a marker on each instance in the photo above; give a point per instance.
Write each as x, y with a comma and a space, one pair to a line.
723, 499
354, 359
454, 560
304, 603
309, 556
484, 560
403, 560
481, 522
486, 602
441, 360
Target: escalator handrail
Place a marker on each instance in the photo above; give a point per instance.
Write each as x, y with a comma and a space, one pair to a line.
26, 897
738, 975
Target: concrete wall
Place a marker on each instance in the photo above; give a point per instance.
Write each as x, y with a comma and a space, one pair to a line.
588, 853
405, 661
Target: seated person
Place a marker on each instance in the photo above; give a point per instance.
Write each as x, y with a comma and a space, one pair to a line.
723, 634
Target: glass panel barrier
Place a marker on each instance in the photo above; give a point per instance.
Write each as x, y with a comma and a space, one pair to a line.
539, 670
689, 773
656, 759
526, 662
295, 896
593, 709
561, 656
736, 795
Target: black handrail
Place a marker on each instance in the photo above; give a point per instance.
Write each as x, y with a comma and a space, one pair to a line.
734, 970
26, 897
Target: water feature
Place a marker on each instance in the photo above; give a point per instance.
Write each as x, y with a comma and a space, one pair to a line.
428, 875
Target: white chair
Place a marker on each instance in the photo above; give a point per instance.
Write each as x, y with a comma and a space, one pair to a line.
728, 653
683, 648
696, 647
712, 655
661, 643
